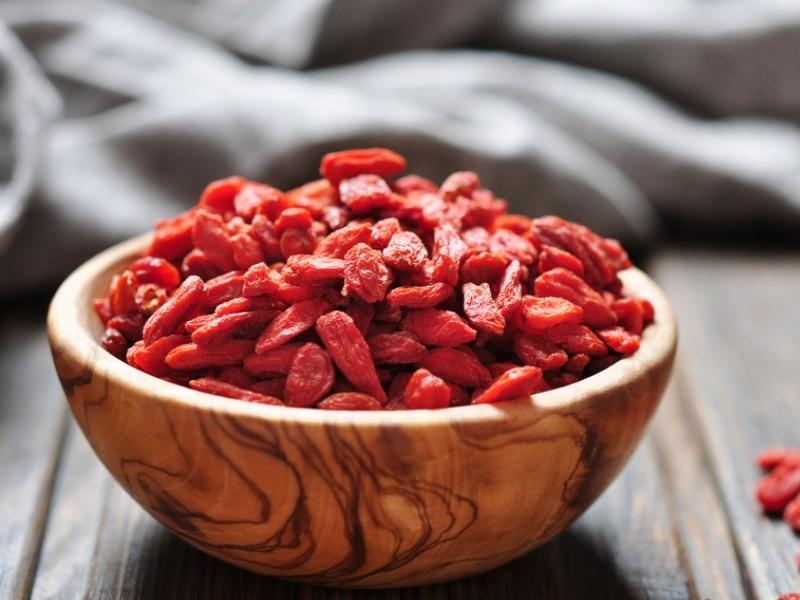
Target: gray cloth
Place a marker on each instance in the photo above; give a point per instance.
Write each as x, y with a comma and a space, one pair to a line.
627, 119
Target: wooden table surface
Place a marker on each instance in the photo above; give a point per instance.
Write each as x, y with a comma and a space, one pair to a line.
680, 522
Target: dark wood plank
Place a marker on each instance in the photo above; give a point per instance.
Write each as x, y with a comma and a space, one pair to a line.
625, 546
738, 315
33, 420
693, 501
77, 515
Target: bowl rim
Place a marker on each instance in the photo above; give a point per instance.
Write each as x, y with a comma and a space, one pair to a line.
70, 311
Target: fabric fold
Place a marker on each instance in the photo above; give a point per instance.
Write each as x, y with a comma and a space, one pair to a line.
153, 106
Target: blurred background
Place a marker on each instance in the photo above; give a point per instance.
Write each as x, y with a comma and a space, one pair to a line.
669, 124
643, 120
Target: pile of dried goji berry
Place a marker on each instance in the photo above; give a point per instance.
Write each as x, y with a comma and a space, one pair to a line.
357, 291
778, 492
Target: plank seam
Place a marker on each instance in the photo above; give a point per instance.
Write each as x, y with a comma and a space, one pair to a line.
34, 540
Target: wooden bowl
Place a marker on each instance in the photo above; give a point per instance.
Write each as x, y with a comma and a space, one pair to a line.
354, 499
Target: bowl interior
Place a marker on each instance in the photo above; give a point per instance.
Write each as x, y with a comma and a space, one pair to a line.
72, 319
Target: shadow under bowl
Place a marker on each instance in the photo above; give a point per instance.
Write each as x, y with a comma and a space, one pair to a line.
354, 499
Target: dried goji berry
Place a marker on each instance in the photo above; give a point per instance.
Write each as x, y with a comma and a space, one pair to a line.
349, 163
152, 359
414, 183
211, 237
619, 340
350, 352
224, 287
340, 241
561, 283
149, 297
483, 267
256, 198
365, 273
791, 514
123, 293
480, 210
362, 314
512, 245
405, 252
293, 217
290, 323
242, 304
456, 366
519, 224
769, 459
173, 238
397, 387
364, 193
630, 313
314, 196
197, 322
260, 280
426, 390
779, 487
273, 362
310, 377
537, 314
648, 311
220, 388
197, 263
458, 395
460, 183
270, 387
223, 353
158, 271
102, 307
552, 258
382, 232
387, 313
538, 352
481, 310
448, 249
308, 269
297, 241
422, 296
350, 401
264, 231
246, 250
509, 292
398, 348
188, 297
497, 369
438, 327
576, 339
242, 324
236, 376
114, 342
576, 364
561, 379
218, 195
514, 383
601, 258
477, 238
335, 217
129, 325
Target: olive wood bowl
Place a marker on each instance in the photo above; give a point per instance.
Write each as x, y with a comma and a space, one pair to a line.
354, 499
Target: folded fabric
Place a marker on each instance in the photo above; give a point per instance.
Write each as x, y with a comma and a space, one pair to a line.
161, 97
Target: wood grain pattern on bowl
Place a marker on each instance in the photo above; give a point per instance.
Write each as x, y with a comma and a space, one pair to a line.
346, 498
